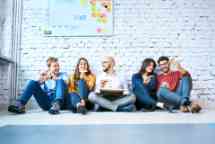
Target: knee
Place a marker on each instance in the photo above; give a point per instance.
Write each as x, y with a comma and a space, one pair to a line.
92, 96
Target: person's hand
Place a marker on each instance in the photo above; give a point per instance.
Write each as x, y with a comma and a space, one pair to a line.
52, 76
146, 79
97, 91
82, 103
83, 72
103, 83
125, 92
43, 76
175, 64
49, 75
165, 84
82, 75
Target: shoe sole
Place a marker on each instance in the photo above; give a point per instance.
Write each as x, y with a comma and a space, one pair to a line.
82, 110
53, 112
13, 109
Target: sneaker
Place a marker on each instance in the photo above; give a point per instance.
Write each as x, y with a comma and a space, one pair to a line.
18, 108
81, 109
55, 109
169, 108
195, 108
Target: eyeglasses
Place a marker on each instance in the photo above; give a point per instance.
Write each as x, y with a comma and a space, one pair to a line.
163, 64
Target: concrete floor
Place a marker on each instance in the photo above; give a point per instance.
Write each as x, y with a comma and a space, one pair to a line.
38, 117
109, 134
158, 127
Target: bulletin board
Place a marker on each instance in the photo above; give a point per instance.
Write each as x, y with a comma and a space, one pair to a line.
80, 18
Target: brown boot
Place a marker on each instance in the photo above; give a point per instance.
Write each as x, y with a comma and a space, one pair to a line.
184, 109
195, 107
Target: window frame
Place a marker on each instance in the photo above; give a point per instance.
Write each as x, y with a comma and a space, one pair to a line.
12, 61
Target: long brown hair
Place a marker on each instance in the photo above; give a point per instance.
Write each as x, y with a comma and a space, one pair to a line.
145, 64
77, 73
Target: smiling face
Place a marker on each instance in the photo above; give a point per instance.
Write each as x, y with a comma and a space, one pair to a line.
54, 67
164, 66
83, 66
150, 67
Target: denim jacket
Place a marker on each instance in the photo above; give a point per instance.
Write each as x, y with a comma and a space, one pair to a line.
137, 82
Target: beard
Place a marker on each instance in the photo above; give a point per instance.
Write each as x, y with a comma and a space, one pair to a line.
165, 70
105, 70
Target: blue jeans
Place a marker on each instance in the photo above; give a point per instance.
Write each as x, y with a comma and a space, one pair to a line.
112, 103
42, 98
144, 98
179, 97
76, 97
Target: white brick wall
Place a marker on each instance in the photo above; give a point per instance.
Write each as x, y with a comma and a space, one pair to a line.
143, 28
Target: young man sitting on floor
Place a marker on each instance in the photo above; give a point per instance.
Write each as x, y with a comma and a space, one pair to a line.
174, 87
49, 90
112, 89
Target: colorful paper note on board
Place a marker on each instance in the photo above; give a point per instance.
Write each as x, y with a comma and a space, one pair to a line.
80, 17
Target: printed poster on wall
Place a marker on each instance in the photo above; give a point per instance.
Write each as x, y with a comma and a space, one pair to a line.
80, 18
